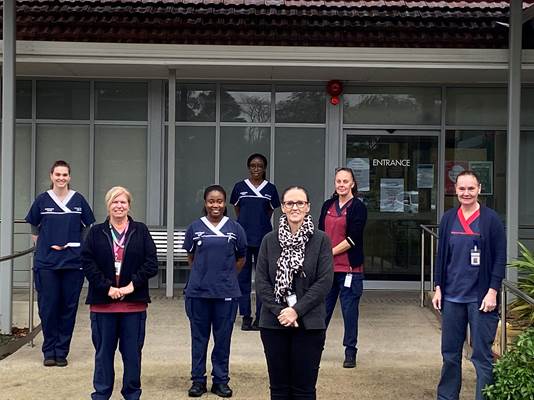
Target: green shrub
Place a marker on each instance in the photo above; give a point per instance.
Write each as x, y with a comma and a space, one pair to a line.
522, 313
514, 371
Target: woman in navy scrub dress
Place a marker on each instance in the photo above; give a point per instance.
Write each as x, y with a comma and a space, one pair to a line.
470, 268
254, 200
216, 247
118, 258
58, 217
343, 218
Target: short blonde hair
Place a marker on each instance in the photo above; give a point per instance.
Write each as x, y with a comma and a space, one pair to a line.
115, 192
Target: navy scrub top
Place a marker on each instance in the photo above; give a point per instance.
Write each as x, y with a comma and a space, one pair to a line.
60, 223
255, 205
461, 285
215, 251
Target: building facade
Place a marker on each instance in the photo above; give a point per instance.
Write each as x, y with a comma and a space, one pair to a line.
424, 96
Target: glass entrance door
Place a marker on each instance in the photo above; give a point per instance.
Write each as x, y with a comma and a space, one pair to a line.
397, 177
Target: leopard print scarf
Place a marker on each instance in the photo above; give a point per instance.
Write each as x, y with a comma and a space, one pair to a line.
292, 255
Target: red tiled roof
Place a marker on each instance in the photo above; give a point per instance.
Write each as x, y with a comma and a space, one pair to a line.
374, 23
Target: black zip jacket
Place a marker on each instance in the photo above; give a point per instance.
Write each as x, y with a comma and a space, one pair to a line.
138, 266
356, 219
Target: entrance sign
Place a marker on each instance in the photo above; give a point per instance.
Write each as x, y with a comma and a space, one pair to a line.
425, 176
484, 170
386, 162
392, 195
360, 167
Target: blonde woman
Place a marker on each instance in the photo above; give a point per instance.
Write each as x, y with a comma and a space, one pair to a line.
118, 259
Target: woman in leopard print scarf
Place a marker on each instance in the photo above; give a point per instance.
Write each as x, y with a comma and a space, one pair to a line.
292, 256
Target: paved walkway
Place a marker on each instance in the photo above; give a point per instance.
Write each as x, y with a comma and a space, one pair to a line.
398, 358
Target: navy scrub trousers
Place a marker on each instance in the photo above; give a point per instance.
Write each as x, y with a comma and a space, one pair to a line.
204, 315
128, 330
245, 284
350, 305
483, 326
58, 294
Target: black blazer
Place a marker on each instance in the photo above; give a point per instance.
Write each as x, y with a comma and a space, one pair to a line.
138, 266
311, 287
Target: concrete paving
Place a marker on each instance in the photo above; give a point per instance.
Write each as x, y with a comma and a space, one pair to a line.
398, 357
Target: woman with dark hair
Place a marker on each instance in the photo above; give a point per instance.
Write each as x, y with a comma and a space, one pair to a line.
58, 218
343, 218
294, 274
470, 268
118, 257
254, 200
216, 248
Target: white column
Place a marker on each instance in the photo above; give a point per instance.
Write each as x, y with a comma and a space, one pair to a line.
171, 141
8, 164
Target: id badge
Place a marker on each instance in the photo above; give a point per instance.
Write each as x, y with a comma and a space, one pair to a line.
118, 265
475, 257
348, 280
291, 300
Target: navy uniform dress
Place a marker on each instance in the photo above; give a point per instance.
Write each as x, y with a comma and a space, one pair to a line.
212, 291
255, 208
58, 274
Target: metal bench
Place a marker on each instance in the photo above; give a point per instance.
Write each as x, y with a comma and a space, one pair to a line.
159, 235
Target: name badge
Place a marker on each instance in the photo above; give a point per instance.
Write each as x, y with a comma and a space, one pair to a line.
475, 257
291, 300
118, 265
348, 280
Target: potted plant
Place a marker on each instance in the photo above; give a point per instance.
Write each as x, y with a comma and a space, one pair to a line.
514, 371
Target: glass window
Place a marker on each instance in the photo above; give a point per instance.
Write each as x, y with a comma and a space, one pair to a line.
485, 153
476, 106
195, 170
526, 172
527, 107
195, 103
24, 99
392, 105
23, 146
237, 144
62, 100
246, 104
120, 160
296, 105
300, 160
63, 142
121, 101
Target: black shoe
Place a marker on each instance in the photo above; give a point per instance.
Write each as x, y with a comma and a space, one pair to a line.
49, 362
255, 325
221, 390
246, 325
197, 389
61, 362
350, 362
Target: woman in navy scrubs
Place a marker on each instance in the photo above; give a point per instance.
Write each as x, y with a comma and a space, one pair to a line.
118, 257
470, 268
58, 217
216, 247
294, 275
254, 200
343, 218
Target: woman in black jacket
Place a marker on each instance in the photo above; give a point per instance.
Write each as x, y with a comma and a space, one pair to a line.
118, 259
293, 275
343, 218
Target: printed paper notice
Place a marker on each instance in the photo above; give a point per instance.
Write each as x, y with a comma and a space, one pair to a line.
484, 170
392, 195
360, 167
425, 176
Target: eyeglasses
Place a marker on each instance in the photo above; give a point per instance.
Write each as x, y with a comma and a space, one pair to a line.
290, 204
